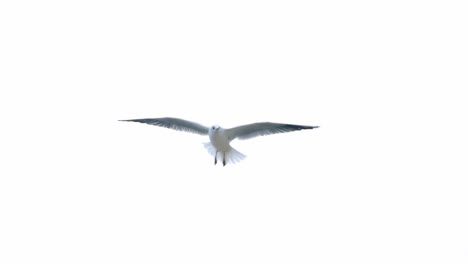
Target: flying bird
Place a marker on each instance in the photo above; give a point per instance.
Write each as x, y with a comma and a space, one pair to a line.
220, 138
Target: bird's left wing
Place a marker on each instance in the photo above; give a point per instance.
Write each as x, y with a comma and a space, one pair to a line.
262, 129
174, 123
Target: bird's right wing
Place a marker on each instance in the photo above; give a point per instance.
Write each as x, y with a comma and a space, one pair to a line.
174, 123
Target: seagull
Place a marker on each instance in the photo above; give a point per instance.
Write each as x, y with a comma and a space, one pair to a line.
221, 137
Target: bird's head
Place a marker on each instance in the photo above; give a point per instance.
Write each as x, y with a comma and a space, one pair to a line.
214, 128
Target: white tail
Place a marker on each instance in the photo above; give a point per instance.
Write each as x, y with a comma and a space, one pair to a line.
232, 156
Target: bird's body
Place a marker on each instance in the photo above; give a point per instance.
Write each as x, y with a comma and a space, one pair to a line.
220, 138
219, 141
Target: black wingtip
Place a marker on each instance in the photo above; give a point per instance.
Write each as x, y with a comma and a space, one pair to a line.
299, 127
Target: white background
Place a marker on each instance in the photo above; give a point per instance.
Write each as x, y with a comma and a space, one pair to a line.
383, 180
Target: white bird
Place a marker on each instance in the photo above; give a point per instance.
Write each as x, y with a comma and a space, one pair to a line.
221, 137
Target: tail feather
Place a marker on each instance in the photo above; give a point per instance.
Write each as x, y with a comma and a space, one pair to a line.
211, 149
232, 156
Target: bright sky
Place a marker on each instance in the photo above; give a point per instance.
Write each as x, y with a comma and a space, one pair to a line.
383, 180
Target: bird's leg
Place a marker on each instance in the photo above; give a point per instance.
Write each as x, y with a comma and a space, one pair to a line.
224, 159
216, 155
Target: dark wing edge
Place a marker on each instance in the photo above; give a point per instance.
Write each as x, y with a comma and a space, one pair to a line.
263, 129
173, 123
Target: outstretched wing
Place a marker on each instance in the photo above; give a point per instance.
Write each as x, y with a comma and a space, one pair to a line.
173, 123
262, 129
